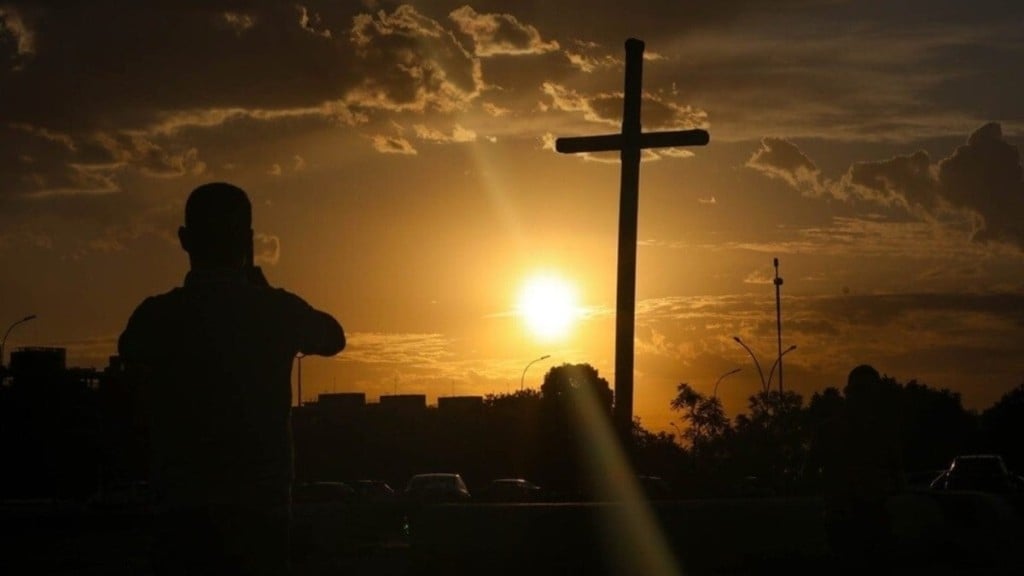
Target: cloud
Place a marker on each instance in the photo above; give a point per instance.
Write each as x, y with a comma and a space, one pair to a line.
172, 123
13, 24
311, 22
980, 181
392, 145
46, 134
79, 180
780, 158
564, 99
499, 34
137, 150
411, 63
910, 182
676, 153
587, 63
494, 110
266, 249
458, 134
239, 22
985, 176
980, 185
659, 112
404, 349
298, 164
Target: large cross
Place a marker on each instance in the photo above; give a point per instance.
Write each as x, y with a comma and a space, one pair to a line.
629, 143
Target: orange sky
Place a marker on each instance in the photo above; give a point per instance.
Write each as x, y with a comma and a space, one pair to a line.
400, 163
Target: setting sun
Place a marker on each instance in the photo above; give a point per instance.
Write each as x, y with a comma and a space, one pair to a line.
548, 305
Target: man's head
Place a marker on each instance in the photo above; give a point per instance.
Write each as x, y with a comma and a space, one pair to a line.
218, 227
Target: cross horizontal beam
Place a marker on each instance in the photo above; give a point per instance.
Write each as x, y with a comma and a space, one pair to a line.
609, 142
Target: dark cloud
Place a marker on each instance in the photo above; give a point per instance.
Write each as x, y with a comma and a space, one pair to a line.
984, 176
907, 180
17, 39
979, 185
982, 179
780, 158
133, 60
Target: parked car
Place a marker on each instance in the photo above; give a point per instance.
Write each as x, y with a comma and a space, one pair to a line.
322, 493
373, 490
656, 488
436, 487
123, 496
982, 472
512, 490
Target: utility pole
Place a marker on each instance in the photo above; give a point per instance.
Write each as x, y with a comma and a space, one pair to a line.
778, 317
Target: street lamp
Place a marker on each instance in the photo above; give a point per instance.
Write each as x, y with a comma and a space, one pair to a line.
714, 394
299, 358
9, 328
778, 362
764, 383
522, 380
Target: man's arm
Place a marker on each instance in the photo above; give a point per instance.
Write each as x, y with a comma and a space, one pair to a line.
321, 334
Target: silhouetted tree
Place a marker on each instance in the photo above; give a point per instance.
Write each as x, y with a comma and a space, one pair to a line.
704, 416
512, 430
657, 454
934, 427
1003, 428
572, 382
576, 409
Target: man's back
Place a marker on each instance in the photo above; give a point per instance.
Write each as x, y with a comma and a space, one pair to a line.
217, 357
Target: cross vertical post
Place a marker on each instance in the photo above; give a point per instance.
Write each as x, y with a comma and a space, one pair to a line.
629, 206
630, 142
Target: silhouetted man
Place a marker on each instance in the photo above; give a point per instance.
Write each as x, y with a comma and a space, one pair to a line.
214, 358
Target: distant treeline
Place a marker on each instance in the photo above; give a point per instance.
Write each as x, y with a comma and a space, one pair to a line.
65, 437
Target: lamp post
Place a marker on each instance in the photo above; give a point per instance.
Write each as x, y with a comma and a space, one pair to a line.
299, 358
778, 319
522, 380
9, 328
764, 383
714, 393
778, 362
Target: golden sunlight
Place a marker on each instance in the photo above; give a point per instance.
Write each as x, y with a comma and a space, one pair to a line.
548, 305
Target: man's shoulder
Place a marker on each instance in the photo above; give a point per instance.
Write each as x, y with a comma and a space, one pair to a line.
162, 301
283, 296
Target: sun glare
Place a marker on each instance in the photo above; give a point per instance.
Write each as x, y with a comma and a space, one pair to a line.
548, 306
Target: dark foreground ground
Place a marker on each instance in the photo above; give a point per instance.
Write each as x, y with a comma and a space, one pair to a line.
929, 533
